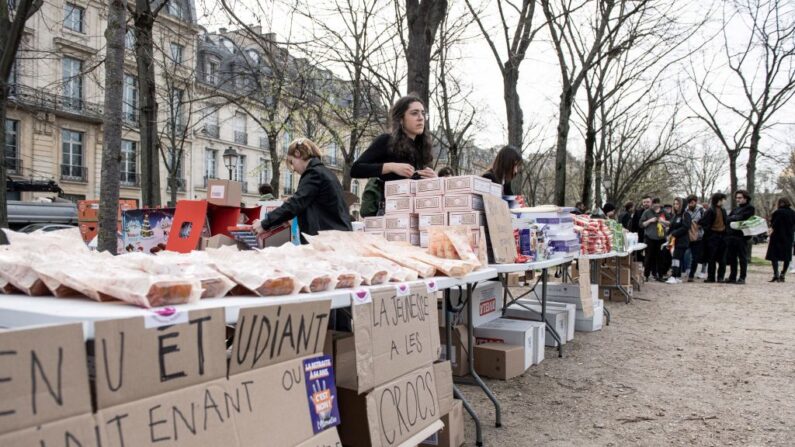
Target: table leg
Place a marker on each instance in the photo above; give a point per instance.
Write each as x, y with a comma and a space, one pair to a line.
550, 329
620, 286
475, 376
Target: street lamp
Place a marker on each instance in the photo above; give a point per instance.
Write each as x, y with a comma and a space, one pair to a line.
230, 160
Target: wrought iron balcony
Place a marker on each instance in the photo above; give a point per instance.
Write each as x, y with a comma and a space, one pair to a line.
72, 173
241, 137
48, 101
211, 130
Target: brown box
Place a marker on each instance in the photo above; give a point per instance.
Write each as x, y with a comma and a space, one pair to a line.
459, 346
408, 236
218, 241
470, 184
401, 222
432, 220
399, 205
499, 360
474, 218
515, 278
88, 210
463, 202
397, 188
607, 276
429, 204
430, 186
452, 435
374, 223
224, 192
380, 418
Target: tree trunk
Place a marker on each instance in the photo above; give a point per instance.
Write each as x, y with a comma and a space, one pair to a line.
147, 100
750, 168
3, 172
597, 174
275, 164
173, 180
732, 177
561, 154
513, 107
111, 149
423, 19
588, 183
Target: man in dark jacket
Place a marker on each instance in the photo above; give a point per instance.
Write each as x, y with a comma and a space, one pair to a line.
635, 227
715, 225
736, 244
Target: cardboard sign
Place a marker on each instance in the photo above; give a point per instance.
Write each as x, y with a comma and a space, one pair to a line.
266, 406
133, 362
392, 335
328, 438
585, 287
72, 432
498, 218
273, 334
43, 376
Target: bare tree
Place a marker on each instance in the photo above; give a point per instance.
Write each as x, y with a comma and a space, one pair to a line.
423, 18
763, 66
12, 26
786, 180
112, 127
699, 170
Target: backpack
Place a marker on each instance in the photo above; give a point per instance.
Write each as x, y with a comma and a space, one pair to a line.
693, 232
372, 198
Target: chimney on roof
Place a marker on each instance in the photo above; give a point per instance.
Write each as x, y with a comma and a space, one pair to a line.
257, 29
271, 37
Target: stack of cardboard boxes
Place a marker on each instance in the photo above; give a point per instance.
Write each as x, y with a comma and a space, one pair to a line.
164, 379
413, 206
571, 294
607, 278
88, 216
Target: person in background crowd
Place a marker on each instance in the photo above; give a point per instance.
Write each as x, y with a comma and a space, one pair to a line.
446, 171
506, 165
680, 229
654, 224
696, 236
579, 208
782, 238
627, 215
645, 203
318, 201
404, 153
669, 211
266, 192
736, 242
610, 210
714, 224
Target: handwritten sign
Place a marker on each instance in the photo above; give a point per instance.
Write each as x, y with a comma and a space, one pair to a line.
498, 219
585, 287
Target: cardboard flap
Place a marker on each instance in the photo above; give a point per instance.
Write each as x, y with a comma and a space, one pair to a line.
43, 376
189, 219
328, 438
268, 335
145, 356
585, 287
222, 217
498, 218
444, 385
76, 431
395, 333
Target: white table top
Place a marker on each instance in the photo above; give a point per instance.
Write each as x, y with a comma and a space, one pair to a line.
22, 310
515, 268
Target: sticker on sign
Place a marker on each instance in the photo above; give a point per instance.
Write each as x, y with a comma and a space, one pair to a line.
362, 296
165, 316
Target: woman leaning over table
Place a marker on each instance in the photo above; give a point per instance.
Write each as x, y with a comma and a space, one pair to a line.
505, 167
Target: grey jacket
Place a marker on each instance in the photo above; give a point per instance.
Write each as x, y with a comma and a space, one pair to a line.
695, 216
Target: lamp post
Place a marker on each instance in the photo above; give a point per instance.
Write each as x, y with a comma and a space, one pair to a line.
230, 160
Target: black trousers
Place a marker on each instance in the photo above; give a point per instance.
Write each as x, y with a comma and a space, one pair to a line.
678, 261
736, 251
696, 257
653, 257
716, 256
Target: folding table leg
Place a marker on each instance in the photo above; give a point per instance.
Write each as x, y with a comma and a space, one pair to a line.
475, 376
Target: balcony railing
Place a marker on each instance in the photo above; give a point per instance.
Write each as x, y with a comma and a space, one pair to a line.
130, 179
13, 165
241, 137
211, 130
45, 100
74, 173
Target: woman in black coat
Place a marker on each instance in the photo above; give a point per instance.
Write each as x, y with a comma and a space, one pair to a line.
318, 201
779, 247
680, 228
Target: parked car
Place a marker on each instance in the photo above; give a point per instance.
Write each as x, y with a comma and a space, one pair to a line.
759, 238
44, 227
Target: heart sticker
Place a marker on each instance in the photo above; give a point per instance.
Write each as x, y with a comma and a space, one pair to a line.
165, 316
362, 297
402, 290
432, 286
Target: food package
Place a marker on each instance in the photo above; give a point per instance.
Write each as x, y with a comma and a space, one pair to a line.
247, 269
16, 268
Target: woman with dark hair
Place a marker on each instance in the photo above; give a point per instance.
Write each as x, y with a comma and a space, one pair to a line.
506, 165
680, 229
626, 217
403, 153
715, 222
782, 229
446, 171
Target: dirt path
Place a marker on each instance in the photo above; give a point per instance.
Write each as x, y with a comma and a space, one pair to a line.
697, 364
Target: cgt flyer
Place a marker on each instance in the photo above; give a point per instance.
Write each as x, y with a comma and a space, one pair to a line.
322, 393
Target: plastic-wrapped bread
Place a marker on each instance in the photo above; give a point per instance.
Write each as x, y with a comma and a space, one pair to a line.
247, 270
8, 288
16, 268
197, 265
61, 284
397, 256
459, 238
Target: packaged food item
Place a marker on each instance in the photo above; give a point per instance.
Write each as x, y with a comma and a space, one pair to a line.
431, 186
396, 188
463, 202
401, 222
468, 184
399, 205
426, 220
428, 204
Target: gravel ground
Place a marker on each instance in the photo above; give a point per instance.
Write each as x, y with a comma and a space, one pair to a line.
687, 364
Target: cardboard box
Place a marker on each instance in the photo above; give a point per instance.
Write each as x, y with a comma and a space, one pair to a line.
430, 186
78, 431
499, 360
459, 349
558, 318
592, 324
487, 300
452, 435
381, 417
614, 295
424, 239
570, 293
496, 190
514, 279
218, 241
88, 230
473, 218
399, 205
396, 188
512, 332
468, 184
463, 202
376, 223
88, 210
432, 220
401, 222
395, 332
327, 438
147, 230
429, 204
608, 276
409, 236
381, 234
224, 192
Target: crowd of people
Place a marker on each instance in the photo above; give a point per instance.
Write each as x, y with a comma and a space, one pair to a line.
691, 240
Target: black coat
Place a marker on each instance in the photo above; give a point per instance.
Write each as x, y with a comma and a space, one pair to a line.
779, 247
739, 214
371, 163
318, 203
507, 190
680, 229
